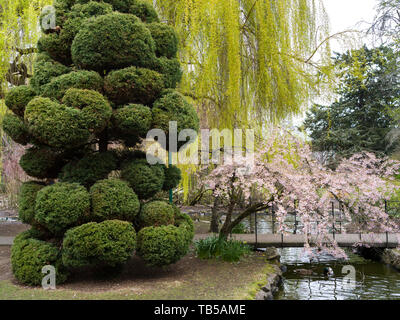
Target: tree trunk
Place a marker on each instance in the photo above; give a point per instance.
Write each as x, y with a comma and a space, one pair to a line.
103, 143
214, 227
227, 227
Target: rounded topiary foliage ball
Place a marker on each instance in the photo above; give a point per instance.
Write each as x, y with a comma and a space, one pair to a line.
62, 206
29, 256
109, 243
27, 200
113, 41
146, 180
114, 199
157, 213
161, 246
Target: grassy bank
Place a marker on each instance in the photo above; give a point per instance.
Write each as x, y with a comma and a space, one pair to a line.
191, 278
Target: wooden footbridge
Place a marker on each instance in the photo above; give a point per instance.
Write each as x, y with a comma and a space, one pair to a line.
383, 240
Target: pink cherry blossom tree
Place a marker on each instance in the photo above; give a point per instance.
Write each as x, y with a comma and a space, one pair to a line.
287, 174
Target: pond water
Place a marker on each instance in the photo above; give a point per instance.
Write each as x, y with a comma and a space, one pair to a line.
373, 280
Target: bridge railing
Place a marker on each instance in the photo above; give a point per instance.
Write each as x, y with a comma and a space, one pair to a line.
293, 223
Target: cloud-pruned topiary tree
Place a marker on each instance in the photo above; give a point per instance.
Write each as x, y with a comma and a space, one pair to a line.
106, 75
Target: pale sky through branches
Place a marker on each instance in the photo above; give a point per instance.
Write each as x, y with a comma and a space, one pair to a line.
349, 15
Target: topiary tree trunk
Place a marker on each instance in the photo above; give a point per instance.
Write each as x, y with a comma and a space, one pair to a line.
104, 76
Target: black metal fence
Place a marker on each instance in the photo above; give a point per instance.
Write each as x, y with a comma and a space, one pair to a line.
293, 223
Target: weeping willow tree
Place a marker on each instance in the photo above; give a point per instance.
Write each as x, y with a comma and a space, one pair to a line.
250, 62
19, 32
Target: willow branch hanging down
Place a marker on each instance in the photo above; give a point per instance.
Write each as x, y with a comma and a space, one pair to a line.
253, 61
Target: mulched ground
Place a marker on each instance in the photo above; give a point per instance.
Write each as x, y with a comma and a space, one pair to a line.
190, 278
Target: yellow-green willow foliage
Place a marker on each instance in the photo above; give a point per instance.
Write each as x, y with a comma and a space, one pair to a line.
250, 62
18, 30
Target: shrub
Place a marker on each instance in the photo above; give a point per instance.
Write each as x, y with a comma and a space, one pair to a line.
41, 163
114, 199
184, 222
110, 243
144, 11
133, 85
32, 233
26, 201
170, 69
46, 69
56, 125
29, 256
18, 98
173, 177
172, 106
16, 129
57, 87
144, 179
96, 111
90, 9
157, 213
61, 206
89, 169
132, 121
128, 43
161, 246
216, 247
58, 45
240, 229
118, 5
165, 39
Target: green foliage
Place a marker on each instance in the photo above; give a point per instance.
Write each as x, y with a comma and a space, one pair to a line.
114, 199
41, 163
172, 106
45, 69
57, 87
173, 177
170, 69
117, 48
90, 9
118, 5
89, 169
161, 246
144, 11
113, 41
29, 256
56, 125
240, 229
109, 243
156, 213
32, 233
131, 122
58, 45
362, 117
18, 98
133, 85
27, 200
16, 129
144, 179
227, 250
96, 110
62, 206
165, 39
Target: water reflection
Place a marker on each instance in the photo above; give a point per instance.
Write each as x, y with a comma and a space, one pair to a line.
374, 281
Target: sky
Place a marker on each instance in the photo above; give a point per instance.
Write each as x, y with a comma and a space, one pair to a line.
349, 14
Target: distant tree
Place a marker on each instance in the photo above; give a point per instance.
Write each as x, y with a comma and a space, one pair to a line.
365, 112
